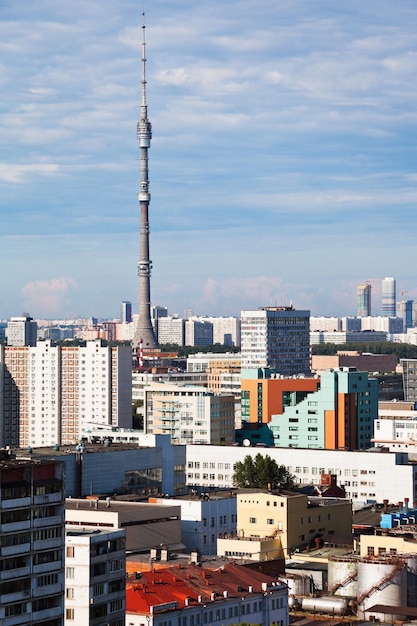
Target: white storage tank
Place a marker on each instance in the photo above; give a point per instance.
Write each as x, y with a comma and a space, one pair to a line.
343, 576
325, 604
298, 584
381, 581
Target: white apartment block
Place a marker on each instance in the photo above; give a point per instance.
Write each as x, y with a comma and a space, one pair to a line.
95, 576
198, 332
368, 476
277, 338
141, 379
124, 331
343, 336
47, 392
32, 542
190, 414
226, 330
21, 331
384, 324
333, 324
204, 519
171, 330
396, 427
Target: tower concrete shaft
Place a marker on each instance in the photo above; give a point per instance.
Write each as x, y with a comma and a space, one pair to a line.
144, 333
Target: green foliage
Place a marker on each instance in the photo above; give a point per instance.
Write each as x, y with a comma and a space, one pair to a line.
137, 419
260, 473
402, 350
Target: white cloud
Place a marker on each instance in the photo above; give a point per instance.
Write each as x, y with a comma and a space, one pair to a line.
47, 297
19, 173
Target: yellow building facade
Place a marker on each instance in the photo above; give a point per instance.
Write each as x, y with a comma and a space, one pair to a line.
282, 522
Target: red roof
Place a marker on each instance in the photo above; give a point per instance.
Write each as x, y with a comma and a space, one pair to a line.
175, 584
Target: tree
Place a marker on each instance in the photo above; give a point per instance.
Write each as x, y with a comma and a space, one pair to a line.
262, 472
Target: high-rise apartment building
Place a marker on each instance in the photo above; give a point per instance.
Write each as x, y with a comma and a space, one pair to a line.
409, 367
226, 330
21, 331
339, 415
190, 414
277, 338
32, 517
126, 312
171, 330
198, 332
95, 576
48, 392
388, 297
364, 299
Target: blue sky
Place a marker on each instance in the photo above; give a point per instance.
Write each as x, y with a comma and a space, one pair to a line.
283, 164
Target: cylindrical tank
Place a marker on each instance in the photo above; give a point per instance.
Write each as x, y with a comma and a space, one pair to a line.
298, 585
343, 576
293, 603
412, 580
381, 581
325, 604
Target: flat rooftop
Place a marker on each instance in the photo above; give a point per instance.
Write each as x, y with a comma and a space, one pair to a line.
114, 505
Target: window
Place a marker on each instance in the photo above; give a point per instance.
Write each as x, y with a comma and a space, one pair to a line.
70, 551
69, 592
252, 520
69, 613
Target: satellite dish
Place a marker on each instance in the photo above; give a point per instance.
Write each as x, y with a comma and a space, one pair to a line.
246, 443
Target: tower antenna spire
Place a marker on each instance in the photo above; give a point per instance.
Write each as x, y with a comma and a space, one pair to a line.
144, 333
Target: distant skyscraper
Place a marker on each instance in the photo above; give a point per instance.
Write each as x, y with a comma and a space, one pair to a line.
126, 312
144, 332
364, 299
277, 338
21, 331
388, 297
405, 311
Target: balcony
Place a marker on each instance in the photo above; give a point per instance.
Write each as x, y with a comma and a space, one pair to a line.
48, 544
19, 572
14, 550
42, 522
17, 596
43, 568
50, 613
48, 590
16, 503
15, 526
48, 498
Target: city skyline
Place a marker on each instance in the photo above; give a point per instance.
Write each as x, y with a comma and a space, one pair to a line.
283, 160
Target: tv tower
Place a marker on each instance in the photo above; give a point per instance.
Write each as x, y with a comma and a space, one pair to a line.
144, 334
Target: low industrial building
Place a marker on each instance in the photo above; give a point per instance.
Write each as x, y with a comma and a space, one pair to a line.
372, 363
273, 524
147, 525
367, 476
396, 427
193, 595
204, 518
152, 466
